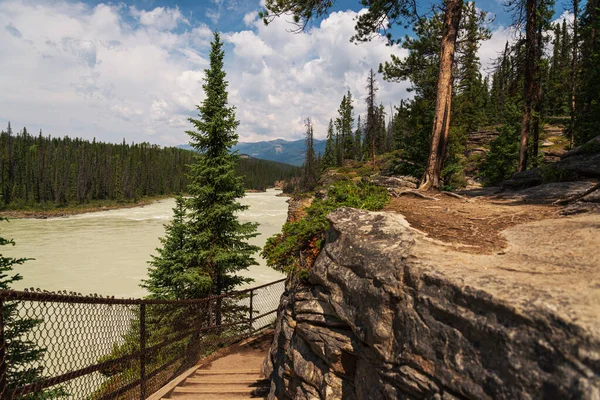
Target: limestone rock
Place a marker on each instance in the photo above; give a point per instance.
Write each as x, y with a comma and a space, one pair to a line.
396, 181
403, 317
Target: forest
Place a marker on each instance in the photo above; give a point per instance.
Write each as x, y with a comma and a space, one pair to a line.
547, 75
41, 170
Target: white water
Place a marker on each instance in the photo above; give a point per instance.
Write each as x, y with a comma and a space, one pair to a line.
107, 252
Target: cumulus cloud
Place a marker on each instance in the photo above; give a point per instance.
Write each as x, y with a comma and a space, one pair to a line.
160, 18
491, 49
111, 71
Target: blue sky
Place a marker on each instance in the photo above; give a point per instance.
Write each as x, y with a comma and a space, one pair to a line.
133, 70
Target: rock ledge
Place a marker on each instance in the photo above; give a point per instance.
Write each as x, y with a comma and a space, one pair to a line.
390, 314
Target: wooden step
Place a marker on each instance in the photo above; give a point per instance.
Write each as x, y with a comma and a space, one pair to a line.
211, 379
227, 372
213, 396
222, 389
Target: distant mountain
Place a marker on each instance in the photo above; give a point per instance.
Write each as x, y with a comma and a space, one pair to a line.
285, 151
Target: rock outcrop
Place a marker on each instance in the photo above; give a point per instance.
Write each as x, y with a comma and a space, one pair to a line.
581, 163
387, 313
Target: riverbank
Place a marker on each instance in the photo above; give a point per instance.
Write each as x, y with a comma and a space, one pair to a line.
75, 209
42, 212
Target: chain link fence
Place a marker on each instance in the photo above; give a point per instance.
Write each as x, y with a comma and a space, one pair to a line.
67, 346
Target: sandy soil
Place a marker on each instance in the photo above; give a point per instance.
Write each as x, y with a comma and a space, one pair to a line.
472, 225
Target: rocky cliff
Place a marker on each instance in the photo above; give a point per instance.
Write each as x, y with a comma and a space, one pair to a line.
387, 313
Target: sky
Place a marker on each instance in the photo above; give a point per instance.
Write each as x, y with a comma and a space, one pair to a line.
133, 70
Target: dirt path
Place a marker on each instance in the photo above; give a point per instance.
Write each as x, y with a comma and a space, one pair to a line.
472, 225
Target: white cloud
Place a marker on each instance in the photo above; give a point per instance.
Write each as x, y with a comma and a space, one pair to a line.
160, 18
250, 18
89, 71
493, 48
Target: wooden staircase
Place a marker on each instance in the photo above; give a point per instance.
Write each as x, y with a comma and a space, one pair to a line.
234, 375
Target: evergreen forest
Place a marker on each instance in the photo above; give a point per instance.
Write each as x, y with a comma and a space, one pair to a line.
37, 170
548, 75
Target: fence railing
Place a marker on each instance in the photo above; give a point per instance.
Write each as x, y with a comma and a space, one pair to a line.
59, 345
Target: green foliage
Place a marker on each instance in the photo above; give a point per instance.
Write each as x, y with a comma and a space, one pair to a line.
45, 172
206, 244
344, 124
501, 161
22, 353
262, 174
453, 172
311, 167
588, 105
305, 237
40, 170
330, 157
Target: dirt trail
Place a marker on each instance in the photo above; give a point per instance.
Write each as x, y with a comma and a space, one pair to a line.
471, 225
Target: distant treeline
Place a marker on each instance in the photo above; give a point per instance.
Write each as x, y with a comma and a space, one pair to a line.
37, 170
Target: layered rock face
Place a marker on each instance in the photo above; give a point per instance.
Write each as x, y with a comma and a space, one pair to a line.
389, 314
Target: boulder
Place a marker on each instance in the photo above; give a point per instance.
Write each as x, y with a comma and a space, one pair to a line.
387, 313
581, 163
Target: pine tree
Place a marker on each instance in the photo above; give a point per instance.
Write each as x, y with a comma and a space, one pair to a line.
370, 145
330, 157
470, 107
344, 125
588, 103
358, 136
217, 243
166, 275
310, 172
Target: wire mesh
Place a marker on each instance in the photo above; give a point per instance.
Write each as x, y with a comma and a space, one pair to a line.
76, 347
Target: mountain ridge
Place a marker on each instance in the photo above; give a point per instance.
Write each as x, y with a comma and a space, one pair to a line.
281, 150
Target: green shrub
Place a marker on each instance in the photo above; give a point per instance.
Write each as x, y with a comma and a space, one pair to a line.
502, 159
304, 238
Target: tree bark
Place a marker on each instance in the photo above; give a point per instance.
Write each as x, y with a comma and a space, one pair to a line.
441, 121
529, 86
574, 71
442, 148
537, 102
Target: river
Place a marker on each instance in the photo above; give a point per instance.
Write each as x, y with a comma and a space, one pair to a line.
107, 252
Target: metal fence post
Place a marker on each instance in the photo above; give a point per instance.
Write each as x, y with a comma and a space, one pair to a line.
2, 353
251, 309
142, 351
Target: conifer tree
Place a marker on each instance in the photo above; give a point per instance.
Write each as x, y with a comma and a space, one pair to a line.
217, 242
310, 172
344, 125
588, 99
167, 272
470, 88
371, 124
330, 157
358, 141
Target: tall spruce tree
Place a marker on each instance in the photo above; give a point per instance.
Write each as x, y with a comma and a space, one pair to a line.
358, 137
217, 242
588, 98
167, 277
470, 89
345, 125
310, 173
330, 157
371, 125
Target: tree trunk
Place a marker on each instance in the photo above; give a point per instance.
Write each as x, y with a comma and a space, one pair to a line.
529, 86
574, 72
441, 121
442, 149
537, 105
